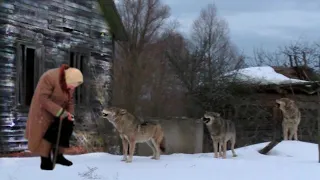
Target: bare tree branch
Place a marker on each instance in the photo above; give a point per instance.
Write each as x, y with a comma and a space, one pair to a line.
143, 20
207, 55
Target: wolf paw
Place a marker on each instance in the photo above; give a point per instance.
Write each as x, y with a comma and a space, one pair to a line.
234, 155
155, 158
128, 161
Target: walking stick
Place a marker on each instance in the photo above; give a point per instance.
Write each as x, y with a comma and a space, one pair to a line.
57, 144
58, 141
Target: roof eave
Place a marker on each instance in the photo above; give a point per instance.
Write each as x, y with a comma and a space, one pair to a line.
112, 17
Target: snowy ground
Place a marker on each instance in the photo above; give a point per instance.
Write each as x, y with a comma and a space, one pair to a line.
289, 160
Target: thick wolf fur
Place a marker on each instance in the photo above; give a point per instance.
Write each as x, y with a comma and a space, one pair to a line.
221, 131
133, 131
291, 118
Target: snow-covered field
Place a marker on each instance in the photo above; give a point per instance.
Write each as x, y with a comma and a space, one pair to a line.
289, 160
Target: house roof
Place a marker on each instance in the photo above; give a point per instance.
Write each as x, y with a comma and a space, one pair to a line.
262, 75
311, 88
297, 72
280, 79
113, 19
301, 73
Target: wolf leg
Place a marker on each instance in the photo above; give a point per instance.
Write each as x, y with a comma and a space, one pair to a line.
132, 147
124, 148
220, 149
295, 131
215, 148
285, 131
157, 149
224, 149
233, 142
153, 149
291, 133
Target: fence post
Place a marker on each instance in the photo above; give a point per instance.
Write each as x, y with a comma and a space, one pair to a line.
277, 132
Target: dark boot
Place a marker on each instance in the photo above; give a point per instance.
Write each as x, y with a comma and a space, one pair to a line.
46, 163
61, 159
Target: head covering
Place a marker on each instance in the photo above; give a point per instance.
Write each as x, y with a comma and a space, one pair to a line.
68, 75
73, 76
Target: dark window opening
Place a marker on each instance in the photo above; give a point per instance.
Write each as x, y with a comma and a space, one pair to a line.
78, 60
71, 61
27, 75
30, 75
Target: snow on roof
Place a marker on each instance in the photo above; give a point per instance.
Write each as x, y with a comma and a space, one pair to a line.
264, 75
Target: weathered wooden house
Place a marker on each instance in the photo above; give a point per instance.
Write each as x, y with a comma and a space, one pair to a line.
37, 35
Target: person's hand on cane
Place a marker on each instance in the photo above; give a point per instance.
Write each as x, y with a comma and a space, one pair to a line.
67, 114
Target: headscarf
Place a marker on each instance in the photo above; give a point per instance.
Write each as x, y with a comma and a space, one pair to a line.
69, 75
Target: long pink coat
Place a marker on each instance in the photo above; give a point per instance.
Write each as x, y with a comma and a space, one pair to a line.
47, 100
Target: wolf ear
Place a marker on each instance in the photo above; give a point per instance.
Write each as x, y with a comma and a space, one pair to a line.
216, 114
290, 103
122, 111
278, 101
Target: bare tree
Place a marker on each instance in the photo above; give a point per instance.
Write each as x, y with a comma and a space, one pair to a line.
296, 54
162, 86
300, 54
263, 57
210, 38
143, 20
207, 55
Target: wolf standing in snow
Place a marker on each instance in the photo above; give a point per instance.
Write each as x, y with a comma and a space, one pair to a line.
291, 118
132, 131
221, 131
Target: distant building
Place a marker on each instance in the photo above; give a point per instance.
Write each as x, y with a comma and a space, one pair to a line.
254, 111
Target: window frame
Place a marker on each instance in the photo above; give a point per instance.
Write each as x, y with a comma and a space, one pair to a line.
78, 52
39, 50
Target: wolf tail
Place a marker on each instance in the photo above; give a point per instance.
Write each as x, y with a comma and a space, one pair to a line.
160, 138
162, 145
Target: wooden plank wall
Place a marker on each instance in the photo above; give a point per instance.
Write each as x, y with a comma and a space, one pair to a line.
54, 27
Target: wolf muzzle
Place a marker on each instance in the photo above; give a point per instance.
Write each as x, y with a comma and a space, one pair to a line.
205, 120
104, 115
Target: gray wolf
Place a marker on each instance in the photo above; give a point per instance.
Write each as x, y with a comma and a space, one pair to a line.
133, 131
291, 118
221, 131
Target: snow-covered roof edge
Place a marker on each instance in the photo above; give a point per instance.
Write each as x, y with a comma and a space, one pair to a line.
264, 75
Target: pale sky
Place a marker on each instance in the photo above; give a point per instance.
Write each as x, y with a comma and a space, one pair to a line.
257, 23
